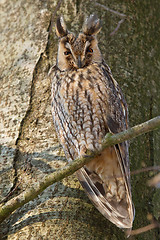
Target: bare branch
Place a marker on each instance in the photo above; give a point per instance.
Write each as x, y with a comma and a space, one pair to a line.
118, 26
153, 168
110, 10
124, 16
31, 193
151, 226
133, 132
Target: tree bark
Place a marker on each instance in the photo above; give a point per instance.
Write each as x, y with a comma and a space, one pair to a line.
30, 148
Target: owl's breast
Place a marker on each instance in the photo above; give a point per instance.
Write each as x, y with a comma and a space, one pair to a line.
80, 107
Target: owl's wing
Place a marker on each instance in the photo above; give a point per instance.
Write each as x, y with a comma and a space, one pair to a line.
106, 179
119, 212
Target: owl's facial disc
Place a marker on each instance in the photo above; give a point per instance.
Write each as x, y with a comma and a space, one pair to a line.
77, 52
81, 51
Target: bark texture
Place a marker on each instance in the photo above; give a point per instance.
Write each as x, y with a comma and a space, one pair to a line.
29, 146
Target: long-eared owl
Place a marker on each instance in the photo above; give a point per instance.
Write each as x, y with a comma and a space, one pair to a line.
87, 103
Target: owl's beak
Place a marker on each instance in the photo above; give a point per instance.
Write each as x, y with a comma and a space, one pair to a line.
79, 62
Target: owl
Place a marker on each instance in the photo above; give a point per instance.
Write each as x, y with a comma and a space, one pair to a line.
87, 103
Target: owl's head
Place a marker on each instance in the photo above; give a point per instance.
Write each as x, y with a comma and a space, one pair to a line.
78, 51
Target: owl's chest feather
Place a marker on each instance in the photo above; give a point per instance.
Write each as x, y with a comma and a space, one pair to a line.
85, 89
80, 102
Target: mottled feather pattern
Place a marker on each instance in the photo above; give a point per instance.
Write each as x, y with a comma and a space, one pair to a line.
82, 103
86, 104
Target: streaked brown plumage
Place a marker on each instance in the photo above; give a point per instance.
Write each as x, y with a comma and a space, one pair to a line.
86, 104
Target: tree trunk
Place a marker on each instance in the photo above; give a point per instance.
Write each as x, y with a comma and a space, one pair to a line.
29, 145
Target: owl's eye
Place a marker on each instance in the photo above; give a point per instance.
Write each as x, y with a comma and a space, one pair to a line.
67, 52
89, 50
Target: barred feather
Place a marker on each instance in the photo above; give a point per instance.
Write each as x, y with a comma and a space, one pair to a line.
86, 104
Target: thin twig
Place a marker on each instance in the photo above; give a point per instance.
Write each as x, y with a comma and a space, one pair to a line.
151, 226
153, 168
110, 10
118, 26
133, 132
138, 171
114, 12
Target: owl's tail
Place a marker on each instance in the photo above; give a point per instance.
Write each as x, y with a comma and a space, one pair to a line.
120, 213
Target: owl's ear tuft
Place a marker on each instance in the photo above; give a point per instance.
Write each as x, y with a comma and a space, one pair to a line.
61, 28
92, 25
